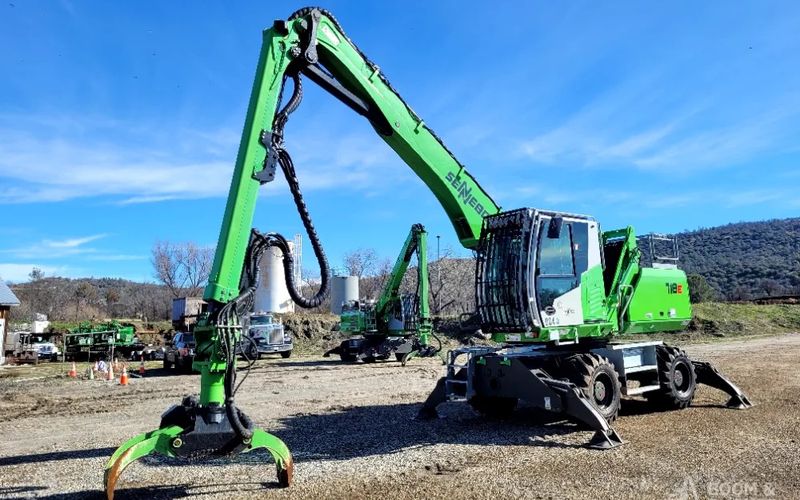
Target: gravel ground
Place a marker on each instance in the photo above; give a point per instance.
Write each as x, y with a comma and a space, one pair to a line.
351, 433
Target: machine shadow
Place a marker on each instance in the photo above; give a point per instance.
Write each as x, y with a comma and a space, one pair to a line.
56, 455
301, 364
633, 407
163, 372
346, 432
359, 431
149, 492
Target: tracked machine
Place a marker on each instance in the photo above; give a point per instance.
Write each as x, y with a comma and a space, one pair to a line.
551, 287
397, 324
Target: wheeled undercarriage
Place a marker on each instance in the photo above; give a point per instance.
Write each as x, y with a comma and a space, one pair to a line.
586, 384
380, 348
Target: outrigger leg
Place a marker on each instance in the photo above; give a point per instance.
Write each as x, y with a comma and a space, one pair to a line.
534, 386
707, 374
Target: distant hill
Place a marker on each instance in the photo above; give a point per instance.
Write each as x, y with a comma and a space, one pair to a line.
746, 259
740, 261
64, 299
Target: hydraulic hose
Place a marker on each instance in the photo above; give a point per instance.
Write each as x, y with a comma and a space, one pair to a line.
276, 146
259, 243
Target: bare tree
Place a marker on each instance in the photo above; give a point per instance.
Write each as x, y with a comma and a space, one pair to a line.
182, 267
112, 297
452, 284
36, 274
85, 292
360, 262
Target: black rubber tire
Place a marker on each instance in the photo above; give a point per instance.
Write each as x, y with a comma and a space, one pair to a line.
676, 377
167, 364
493, 407
347, 357
286, 354
597, 378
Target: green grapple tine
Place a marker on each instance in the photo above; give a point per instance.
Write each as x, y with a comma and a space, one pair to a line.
279, 451
134, 449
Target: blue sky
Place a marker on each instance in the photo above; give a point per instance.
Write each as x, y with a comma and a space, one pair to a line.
119, 122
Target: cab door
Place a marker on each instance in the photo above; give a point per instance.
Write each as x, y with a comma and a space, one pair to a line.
562, 257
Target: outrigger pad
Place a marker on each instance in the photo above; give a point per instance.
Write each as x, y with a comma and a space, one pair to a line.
335, 350
707, 374
435, 398
605, 440
575, 404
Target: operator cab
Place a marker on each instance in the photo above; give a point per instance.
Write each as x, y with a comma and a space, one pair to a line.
531, 264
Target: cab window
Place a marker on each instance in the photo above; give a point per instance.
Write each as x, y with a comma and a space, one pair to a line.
556, 274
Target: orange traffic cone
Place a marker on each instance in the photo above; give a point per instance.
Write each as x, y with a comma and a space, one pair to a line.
110, 375
141, 367
73, 372
123, 379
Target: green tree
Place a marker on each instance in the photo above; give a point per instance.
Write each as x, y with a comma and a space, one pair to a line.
700, 290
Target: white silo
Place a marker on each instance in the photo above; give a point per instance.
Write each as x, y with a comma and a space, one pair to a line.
343, 289
272, 294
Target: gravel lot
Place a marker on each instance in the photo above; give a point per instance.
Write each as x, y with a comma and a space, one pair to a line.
351, 433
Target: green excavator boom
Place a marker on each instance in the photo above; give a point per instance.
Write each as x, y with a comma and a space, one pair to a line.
312, 43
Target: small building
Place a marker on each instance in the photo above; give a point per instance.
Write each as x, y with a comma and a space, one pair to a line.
7, 301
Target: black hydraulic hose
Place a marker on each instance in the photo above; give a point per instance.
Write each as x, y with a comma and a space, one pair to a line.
273, 239
439, 349
288, 259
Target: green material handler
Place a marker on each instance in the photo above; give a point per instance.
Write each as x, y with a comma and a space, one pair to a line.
551, 287
396, 324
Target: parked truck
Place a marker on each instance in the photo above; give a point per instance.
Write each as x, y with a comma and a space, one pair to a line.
19, 348
265, 335
93, 340
185, 311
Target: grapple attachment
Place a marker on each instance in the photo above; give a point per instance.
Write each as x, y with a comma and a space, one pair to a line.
192, 432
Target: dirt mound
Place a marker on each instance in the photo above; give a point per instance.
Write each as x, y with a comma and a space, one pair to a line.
313, 333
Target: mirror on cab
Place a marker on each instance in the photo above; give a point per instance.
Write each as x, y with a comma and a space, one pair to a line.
554, 229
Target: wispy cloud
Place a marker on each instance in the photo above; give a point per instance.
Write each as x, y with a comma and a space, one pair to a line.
48, 167
698, 130
116, 257
73, 242
53, 249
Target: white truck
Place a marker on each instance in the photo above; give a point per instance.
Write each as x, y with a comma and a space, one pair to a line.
265, 335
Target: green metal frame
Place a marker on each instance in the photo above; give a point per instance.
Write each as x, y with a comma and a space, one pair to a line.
416, 242
637, 302
463, 199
